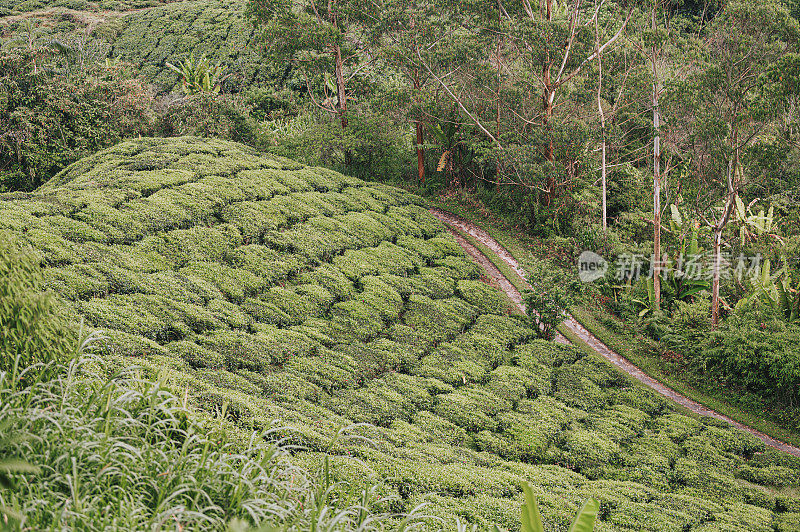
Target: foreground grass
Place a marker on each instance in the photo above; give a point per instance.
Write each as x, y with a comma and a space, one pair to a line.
635, 348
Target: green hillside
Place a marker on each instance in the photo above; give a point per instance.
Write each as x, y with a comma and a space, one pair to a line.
170, 33
24, 6
149, 34
301, 295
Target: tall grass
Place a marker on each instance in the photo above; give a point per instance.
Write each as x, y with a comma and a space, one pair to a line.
123, 453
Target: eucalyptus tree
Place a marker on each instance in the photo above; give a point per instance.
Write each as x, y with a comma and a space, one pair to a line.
726, 108
539, 53
416, 36
558, 41
327, 40
651, 40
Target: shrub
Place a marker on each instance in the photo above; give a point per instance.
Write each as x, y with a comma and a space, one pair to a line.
120, 343
586, 450
757, 350
196, 356
51, 120
375, 149
486, 298
578, 391
514, 383
459, 267
382, 298
471, 408
550, 297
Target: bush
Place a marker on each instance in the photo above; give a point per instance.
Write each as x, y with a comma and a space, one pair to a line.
33, 328
484, 297
374, 149
53, 119
551, 295
755, 350
207, 115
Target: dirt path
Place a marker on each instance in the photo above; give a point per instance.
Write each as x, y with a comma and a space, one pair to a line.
456, 223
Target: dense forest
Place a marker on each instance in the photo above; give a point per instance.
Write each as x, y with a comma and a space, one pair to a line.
233, 296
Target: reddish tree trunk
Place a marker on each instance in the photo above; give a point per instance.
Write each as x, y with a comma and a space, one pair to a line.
420, 153
420, 139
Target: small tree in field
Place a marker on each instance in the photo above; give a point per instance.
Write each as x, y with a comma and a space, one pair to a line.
549, 299
322, 39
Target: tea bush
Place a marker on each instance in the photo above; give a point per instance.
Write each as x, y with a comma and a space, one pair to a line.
201, 259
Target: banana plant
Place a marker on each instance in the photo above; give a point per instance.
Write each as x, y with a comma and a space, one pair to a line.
777, 290
676, 284
754, 225
649, 305
199, 76
445, 133
532, 519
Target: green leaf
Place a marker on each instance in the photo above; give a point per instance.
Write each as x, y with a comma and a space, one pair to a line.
531, 519
584, 521
691, 291
741, 214
14, 465
765, 278
676, 214
694, 247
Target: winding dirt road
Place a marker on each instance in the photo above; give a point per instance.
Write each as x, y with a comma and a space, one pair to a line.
456, 224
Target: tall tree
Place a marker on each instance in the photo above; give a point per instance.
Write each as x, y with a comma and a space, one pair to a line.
650, 41
414, 32
539, 50
562, 49
727, 110
327, 40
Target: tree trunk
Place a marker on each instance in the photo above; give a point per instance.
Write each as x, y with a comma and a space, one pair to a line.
420, 153
656, 180
547, 101
420, 139
341, 94
341, 99
733, 180
716, 275
549, 155
498, 98
603, 172
602, 126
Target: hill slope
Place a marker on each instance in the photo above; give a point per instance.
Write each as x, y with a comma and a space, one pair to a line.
299, 294
170, 33
150, 33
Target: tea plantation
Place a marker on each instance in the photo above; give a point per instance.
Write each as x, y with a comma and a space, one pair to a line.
150, 33
275, 291
170, 33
